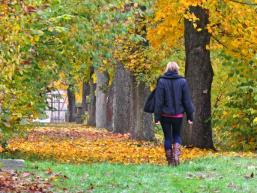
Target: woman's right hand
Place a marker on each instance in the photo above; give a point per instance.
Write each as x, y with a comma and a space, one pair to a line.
190, 123
158, 123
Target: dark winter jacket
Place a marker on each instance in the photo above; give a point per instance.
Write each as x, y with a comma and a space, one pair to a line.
172, 87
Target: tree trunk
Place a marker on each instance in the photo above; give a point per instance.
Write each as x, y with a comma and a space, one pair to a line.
91, 108
71, 104
142, 128
128, 102
101, 99
85, 93
129, 96
122, 100
199, 74
109, 112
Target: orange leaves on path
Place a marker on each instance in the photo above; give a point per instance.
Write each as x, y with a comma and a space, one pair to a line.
86, 144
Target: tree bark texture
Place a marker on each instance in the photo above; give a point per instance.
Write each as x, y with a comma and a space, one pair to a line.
199, 74
71, 104
128, 102
109, 109
142, 128
92, 104
85, 93
122, 100
101, 99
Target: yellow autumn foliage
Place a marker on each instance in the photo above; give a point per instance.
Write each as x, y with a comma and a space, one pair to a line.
232, 25
87, 145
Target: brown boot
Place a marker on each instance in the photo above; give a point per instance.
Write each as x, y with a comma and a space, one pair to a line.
176, 153
170, 157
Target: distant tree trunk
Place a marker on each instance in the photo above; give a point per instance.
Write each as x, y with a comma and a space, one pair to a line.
199, 74
71, 103
122, 100
109, 112
142, 128
101, 99
92, 104
85, 93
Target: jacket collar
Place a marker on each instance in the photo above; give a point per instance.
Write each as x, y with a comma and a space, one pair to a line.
171, 75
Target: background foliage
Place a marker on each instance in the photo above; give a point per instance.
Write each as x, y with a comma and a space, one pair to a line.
51, 44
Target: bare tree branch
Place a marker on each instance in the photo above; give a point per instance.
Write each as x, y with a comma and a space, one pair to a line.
244, 3
217, 40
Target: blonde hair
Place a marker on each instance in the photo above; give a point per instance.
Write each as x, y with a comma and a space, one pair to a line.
172, 66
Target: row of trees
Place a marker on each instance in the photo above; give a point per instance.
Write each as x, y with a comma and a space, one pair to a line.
60, 43
117, 50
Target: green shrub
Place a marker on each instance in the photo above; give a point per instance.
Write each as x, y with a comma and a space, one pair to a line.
236, 122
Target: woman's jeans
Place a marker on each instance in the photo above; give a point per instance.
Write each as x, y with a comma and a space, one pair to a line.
171, 128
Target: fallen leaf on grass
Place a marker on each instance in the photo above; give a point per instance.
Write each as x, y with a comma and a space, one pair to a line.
249, 176
25, 174
233, 186
91, 187
201, 175
11, 181
49, 171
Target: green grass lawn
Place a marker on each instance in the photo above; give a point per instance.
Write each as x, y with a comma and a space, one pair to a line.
204, 175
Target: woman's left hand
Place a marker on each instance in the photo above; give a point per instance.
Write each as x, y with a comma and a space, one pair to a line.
157, 123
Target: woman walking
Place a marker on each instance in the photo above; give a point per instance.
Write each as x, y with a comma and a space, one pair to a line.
172, 99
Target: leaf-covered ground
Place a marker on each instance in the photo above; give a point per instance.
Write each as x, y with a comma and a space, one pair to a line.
201, 170
80, 144
16, 181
